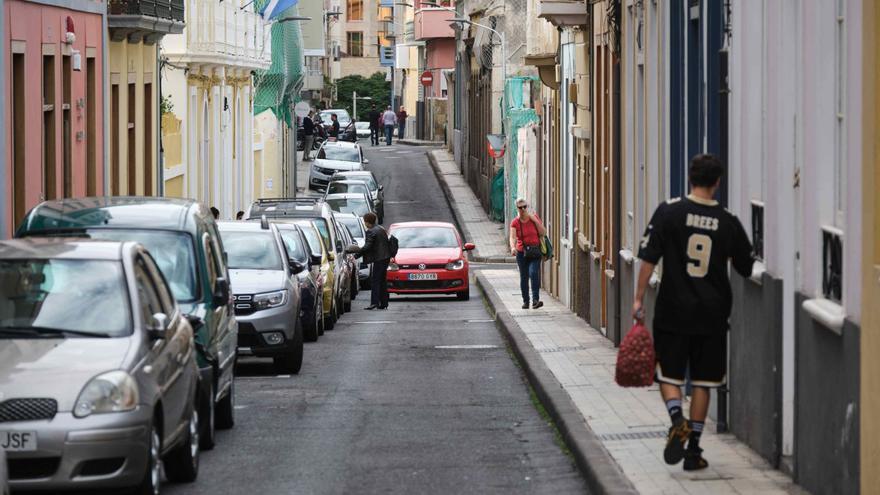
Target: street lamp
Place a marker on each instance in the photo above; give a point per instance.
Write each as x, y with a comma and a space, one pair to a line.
354, 99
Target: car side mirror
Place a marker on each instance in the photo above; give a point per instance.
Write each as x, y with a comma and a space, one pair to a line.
331, 257
158, 327
296, 266
194, 321
469, 246
315, 260
221, 292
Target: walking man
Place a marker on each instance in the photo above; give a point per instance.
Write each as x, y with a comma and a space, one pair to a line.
389, 119
376, 250
373, 117
401, 122
308, 135
695, 237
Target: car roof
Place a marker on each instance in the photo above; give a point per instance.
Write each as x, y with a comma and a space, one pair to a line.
351, 181
62, 248
112, 212
423, 224
239, 226
346, 196
341, 144
288, 207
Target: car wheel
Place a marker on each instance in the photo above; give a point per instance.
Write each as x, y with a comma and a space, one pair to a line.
206, 407
292, 361
183, 461
464, 295
152, 482
226, 409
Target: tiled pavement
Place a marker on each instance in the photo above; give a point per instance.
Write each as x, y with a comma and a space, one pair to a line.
631, 423
489, 237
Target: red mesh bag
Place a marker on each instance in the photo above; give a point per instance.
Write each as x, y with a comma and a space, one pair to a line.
635, 359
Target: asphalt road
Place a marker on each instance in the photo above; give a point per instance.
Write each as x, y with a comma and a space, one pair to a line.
421, 398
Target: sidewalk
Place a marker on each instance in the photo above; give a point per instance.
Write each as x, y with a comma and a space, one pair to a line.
489, 237
630, 424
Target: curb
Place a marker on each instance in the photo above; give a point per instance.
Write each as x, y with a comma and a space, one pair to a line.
409, 142
601, 472
459, 222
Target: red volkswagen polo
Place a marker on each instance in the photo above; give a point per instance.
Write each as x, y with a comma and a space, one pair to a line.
431, 260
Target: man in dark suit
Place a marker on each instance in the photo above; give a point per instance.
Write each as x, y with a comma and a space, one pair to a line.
376, 250
373, 118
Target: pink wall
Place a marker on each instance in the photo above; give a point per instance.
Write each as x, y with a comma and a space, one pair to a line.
433, 23
40, 28
440, 54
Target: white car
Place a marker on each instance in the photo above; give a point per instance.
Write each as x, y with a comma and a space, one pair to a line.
362, 129
335, 156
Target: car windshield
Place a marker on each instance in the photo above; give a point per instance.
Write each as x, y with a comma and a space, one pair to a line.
425, 237
357, 206
342, 188
252, 250
324, 230
51, 297
173, 252
371, 183
354, 226
293, 245
342, 117
312, 238
339, 153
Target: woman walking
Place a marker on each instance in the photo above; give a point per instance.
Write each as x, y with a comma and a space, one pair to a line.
526, 231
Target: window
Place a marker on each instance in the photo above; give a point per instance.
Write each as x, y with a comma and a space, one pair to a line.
49, 177
148, 139
148, 300
19, 138
832, 264
114, 140
66, 127
91, 128
758, 228
355, 10
355, 43
132, 140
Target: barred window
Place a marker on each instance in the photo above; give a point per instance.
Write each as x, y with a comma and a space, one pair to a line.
355, 43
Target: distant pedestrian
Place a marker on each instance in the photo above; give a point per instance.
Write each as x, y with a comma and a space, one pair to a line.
401, 123
334, 127
526, 231
695, 237
308, 126
373, 117
239, 215
215, 212
376, 250
388, 120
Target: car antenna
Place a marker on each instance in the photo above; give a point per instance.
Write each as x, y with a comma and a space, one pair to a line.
264, 222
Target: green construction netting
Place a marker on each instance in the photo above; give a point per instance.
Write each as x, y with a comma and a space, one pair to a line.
277, 88
515, 116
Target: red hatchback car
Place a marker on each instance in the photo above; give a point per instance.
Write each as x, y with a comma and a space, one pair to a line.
431, 260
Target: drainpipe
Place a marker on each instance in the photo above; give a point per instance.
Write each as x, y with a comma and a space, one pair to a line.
160, 162
618, 199
724, 92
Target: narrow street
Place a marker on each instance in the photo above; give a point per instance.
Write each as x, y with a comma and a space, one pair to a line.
422, 398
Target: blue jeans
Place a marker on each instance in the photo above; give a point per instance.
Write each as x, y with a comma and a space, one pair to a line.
529, 271
401, 128
389, 131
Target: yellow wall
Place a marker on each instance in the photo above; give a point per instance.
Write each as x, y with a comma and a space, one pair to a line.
133, 63
267, 162
870, 341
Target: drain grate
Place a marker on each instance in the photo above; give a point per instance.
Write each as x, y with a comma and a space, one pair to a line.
633, 435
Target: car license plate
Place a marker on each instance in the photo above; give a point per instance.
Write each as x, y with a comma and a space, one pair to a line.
423, 276
18, 441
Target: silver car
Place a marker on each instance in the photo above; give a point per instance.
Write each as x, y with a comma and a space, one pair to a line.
267, 300
98, 377
358, 232
335, 156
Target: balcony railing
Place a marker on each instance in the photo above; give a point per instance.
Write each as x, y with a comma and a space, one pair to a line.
149, 19
223, 29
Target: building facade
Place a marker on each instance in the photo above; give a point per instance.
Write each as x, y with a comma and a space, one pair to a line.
358, 35
210, 89
54, 113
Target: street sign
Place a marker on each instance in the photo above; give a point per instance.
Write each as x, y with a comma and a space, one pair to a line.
427, 78
301, 109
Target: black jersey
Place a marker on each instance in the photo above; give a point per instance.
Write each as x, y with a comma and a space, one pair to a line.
695, 239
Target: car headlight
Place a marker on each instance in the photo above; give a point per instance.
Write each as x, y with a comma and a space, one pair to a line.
270, 299
114, 391
392, 267
455, 265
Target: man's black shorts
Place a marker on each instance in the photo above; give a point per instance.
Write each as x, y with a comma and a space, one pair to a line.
704, 355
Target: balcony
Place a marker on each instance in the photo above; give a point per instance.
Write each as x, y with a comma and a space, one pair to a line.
433, 23
220, 33
146, 20
563, 12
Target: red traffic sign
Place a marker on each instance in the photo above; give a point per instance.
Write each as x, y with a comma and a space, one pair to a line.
427, 78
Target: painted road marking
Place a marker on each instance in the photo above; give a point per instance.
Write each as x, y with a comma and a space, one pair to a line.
473, 346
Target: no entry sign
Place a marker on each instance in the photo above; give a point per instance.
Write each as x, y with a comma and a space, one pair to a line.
427, 78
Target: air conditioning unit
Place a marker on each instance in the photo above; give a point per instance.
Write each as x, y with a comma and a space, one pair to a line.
336, 51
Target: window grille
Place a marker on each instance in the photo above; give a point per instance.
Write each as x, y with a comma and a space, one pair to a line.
832, 264
758, 229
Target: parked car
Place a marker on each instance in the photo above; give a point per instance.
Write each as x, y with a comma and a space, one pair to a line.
334, 156
358, 231
352, 186
323, 272
431, 259
319, 211
98, 377
267, 300
347, 131
377, 191
182, 237
351, 262
312, 314
357, 203
362, 129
